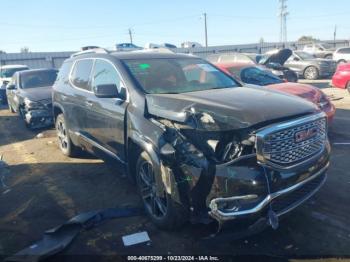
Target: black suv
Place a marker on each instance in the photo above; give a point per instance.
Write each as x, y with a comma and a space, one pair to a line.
198, 144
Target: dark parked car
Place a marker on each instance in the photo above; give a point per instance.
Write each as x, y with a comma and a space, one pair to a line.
29, 93
251, 58
127, 47
198, 148
310, 67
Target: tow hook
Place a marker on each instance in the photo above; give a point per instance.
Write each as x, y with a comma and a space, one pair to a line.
273, 219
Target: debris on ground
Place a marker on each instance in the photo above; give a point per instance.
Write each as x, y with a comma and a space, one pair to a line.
136, 238
40, 135
58, 238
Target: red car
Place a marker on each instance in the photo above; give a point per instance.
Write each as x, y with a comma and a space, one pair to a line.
341, 77
250, 74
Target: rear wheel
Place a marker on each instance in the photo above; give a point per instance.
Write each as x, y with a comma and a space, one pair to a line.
160, 207
311, 73
329, 56
64, 141
341, 61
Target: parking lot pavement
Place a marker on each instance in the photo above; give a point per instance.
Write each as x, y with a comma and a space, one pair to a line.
46, 188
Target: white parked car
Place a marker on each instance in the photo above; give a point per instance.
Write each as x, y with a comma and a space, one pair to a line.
319, 50
7, 71
342, 55
190, 44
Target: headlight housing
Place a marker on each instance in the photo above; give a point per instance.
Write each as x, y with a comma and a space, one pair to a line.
29, 104
323, 102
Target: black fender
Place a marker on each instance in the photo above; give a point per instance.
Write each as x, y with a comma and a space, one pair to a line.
164, 177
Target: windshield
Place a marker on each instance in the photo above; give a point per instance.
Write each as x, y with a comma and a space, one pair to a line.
304, 55
38, 79
257, 76
9, 72
177, 75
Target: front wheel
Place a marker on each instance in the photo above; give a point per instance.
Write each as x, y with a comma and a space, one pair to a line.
10, 107
160, 207
64, 141
348, 86
311, 73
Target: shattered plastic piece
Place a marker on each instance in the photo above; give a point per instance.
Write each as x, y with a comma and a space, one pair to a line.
58, 238
136, 238
40, 135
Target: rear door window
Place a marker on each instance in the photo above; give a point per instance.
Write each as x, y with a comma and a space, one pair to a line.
81, 74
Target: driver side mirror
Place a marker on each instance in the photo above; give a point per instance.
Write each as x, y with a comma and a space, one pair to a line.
11, 87
106, 91
296, 59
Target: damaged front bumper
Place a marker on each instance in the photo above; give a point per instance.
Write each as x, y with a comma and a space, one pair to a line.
281, 201
38, 118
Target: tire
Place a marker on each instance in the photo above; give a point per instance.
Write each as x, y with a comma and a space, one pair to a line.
329, 56
291, 76
348, 86
341, 61
162, 211
10, 108
311, 73
64, 141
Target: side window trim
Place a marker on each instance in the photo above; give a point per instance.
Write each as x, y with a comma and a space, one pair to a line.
89, 82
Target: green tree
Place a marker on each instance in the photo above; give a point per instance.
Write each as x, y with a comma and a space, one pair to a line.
307, 38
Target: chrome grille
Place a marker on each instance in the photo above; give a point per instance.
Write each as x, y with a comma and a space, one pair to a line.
288, 144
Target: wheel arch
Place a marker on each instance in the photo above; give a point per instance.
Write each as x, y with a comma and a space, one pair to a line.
57, 109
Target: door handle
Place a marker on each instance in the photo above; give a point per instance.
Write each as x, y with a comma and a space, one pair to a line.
88, 103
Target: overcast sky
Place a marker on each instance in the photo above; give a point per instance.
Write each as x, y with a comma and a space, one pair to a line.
65, 25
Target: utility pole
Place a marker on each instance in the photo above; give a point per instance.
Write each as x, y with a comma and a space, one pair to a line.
205, 29
283, 13
130, 34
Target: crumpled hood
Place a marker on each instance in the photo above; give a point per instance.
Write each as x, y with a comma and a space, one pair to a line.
308, 92
227, 109
38, 93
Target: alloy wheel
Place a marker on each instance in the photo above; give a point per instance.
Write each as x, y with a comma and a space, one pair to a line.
62, 135
311, 73
156, 206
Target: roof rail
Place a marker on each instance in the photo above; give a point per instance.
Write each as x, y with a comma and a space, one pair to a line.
155, 50
98, 50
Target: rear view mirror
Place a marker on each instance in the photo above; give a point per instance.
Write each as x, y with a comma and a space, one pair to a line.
106, 91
